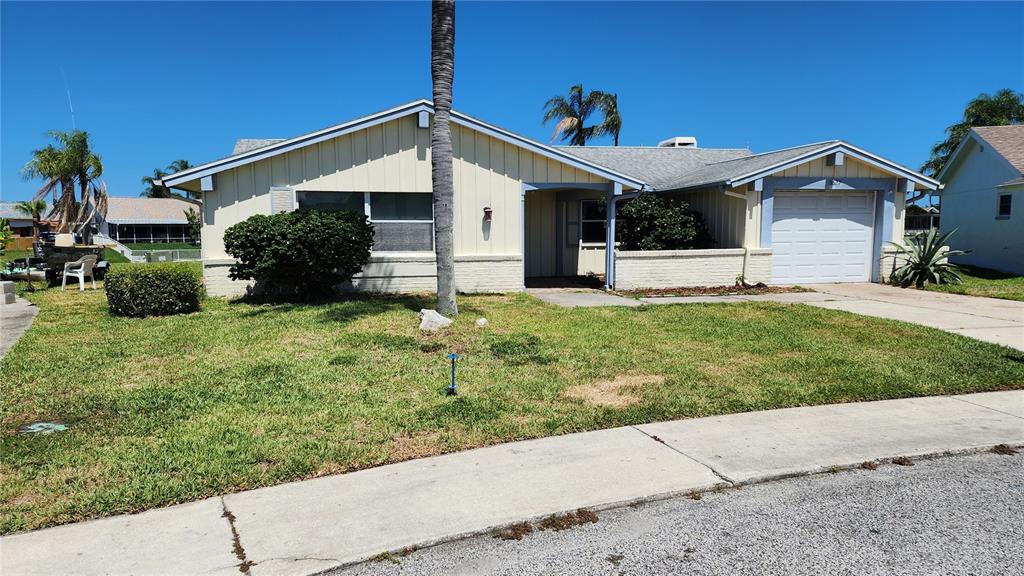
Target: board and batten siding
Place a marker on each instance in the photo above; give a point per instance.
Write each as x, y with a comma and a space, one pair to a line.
724, 215
395, 157
850, 168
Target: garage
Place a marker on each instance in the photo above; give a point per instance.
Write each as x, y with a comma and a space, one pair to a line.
822, 236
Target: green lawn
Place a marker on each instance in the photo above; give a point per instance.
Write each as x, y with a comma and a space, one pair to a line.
166, 410
985, 282
10, 255
163, 246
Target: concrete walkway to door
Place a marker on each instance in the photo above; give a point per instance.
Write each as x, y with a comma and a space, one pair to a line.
989, 319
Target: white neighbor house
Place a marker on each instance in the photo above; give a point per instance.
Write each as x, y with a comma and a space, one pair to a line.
815, 213
983, 197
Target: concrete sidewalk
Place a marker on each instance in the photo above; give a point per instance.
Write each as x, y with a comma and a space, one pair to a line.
311, 526
15, 320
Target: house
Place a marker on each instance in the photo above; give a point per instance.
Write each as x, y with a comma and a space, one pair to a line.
983, 198
815, 213
921, 218
149, 220
20, 223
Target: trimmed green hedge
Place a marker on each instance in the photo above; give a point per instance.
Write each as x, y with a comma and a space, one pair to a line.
141, 290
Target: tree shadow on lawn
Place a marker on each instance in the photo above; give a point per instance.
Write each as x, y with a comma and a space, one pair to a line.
347, 307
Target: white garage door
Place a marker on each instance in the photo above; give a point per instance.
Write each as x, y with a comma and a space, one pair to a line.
822, 236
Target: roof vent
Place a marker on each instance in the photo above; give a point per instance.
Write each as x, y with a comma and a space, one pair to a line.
679, 142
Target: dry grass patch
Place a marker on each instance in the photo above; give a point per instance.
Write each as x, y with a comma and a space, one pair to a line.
408, 446
614, 393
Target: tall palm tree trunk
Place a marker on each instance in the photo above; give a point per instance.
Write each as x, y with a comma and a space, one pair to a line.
442, 72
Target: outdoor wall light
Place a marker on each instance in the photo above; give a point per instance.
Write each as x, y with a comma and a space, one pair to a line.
488, 213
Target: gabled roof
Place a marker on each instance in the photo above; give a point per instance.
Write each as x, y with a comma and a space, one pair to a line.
659, 167
414, 107
1006, 141
127, 210
685, 168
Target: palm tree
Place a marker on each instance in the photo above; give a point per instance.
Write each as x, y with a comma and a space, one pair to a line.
1002, 108
612, 124
71, 162
154, 190
442, 73
34, 209
572, 114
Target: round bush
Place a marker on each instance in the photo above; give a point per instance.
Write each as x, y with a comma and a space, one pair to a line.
302, 254
653, 222
141, 290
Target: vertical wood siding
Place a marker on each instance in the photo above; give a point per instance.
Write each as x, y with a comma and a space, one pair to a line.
851, 168
395, 157
725, 216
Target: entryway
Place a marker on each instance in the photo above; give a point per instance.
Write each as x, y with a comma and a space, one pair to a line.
564, 241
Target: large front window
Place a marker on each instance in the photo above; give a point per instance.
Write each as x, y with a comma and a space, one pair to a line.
593, 222
402, 221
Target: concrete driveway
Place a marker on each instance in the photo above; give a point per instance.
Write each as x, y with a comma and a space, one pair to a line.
988, 319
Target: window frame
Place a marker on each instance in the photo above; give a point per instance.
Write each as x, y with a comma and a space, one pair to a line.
999, 206
368, 212
584, 220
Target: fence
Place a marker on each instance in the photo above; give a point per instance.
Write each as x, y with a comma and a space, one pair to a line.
165, 255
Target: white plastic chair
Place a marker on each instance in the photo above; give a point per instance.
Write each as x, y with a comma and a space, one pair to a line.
80, 269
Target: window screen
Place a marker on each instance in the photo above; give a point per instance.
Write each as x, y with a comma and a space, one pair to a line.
352, 201
401, 206
1005, 204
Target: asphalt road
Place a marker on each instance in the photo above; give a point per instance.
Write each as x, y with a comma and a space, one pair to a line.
953, 515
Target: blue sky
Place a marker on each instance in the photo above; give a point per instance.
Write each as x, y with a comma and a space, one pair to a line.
154, 82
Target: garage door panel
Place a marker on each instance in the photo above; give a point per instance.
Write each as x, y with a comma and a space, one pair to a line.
822, 236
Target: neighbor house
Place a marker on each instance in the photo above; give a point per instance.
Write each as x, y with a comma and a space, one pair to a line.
820, 212
147, 220
20, 223
983, 198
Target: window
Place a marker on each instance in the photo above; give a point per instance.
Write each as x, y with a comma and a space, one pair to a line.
1005, 205
402, 221
593, 222
352, 201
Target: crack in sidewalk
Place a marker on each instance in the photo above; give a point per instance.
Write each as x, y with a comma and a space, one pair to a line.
983, 406
236, 543
721, 476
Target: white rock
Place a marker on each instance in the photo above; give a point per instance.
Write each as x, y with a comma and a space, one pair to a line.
432, 321
481, 322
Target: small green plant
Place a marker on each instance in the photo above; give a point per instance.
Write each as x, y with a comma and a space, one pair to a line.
5, 234
302, 254
924, 261
140, 290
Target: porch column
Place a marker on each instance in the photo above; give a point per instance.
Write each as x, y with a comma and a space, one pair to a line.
609, 239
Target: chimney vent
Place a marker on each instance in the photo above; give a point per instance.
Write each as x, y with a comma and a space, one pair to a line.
679, 142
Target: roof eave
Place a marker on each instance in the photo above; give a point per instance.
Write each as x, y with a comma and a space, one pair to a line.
846, 148
175, 180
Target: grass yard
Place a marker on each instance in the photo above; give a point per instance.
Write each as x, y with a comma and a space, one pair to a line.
167, 410
985, 282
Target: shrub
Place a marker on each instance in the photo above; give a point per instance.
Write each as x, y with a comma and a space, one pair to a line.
299, 254
141, 290
652, 222
924, 261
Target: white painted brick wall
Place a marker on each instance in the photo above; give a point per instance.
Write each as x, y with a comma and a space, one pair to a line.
680, 268
400, 274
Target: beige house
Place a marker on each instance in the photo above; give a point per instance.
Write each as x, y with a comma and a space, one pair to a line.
525, 210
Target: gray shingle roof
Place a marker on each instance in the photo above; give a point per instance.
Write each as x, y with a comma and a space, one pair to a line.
659, 167
247, 144
1008, 141
719, 172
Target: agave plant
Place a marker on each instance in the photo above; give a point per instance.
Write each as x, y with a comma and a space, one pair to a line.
924, 261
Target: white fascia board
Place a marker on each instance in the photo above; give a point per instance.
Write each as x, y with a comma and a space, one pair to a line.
956, 153
849, 150
386, 116
294, 143
146, 221
981, 141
